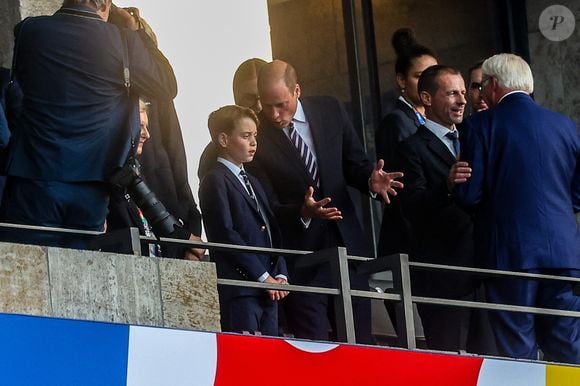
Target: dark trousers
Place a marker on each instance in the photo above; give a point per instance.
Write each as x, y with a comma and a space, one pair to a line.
312, 316
445, 328
519, 335
81, 205
458, 328
250, 314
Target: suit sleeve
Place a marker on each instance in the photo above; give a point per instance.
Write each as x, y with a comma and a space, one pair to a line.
217, 218
4, 132
419, 199
286, 214
473, 151
151, 73
576, 187
357, 166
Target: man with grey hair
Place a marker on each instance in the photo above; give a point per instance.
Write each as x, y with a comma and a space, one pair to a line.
78, 122
520, 169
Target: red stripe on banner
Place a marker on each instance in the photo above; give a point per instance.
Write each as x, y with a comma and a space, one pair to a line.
243, 360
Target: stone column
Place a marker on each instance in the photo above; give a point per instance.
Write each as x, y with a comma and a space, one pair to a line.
13, 11
555, 63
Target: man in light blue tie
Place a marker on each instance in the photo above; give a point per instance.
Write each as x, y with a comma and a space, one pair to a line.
442, 233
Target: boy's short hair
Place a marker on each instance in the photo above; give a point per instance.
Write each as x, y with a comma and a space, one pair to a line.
224, 120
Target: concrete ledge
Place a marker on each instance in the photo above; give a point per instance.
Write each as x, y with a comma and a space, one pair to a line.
90, 285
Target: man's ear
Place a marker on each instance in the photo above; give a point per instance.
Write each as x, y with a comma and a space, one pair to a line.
297, 90
223, 140
425, 98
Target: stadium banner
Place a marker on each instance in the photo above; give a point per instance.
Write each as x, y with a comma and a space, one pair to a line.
50, 351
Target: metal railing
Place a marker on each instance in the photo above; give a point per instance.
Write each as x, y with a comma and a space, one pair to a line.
131, 242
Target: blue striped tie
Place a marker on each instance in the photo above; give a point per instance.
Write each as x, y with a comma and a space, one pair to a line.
305, 153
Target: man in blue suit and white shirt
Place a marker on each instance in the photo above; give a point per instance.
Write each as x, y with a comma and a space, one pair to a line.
520, 168
77, 123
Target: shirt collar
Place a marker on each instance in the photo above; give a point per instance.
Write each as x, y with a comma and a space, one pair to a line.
80, 10
299, 116
510, 93
439, 130
231, 166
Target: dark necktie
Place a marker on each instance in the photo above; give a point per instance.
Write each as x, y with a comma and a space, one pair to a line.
454, 136
305, 153
253, 196
249, 187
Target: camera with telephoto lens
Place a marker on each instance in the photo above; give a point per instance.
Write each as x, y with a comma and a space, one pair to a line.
163, 223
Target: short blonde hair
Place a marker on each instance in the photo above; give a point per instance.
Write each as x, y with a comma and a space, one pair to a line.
511, 72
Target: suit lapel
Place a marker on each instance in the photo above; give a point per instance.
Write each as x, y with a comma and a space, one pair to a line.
238, 185
316, 124
286, 147
261, 196
437, 146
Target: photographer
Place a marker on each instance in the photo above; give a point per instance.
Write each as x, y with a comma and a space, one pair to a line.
78, 120
163, 163
133, 204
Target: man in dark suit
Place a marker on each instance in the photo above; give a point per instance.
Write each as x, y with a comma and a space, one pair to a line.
236, 211
78, 123
303, 182
521, 163
442, 233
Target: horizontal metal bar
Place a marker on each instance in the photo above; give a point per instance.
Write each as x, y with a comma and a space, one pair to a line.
49, 229
283, 287
360, 258
232, 247
491, 272
376, 295
494, 306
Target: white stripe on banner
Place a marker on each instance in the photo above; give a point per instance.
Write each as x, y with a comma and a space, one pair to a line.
511, 373
171, 357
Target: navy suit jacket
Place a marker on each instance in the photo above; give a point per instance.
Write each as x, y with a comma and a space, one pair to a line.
77, 122
230, 216
526, 184
442, 232
341, 161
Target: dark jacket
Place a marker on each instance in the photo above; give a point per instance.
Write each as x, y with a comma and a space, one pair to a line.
77, 123
230, 216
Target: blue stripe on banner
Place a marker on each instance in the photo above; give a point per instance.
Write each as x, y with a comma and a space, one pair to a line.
45, 351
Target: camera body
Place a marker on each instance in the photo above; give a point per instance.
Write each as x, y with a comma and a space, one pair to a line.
163, 223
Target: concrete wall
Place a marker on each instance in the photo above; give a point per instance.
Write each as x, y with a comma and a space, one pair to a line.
310, 35
89, 285
11, 12
555, 64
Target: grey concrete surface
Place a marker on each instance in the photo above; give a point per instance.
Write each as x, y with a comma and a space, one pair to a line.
89, 285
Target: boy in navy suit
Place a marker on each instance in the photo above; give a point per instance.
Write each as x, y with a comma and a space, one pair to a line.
235, 210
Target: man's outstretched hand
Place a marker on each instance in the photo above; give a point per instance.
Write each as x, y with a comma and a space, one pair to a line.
317, 209
384, 183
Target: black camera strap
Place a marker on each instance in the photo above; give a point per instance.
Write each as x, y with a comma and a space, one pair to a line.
127, 83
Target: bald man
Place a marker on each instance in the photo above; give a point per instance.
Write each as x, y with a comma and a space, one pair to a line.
304, 183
